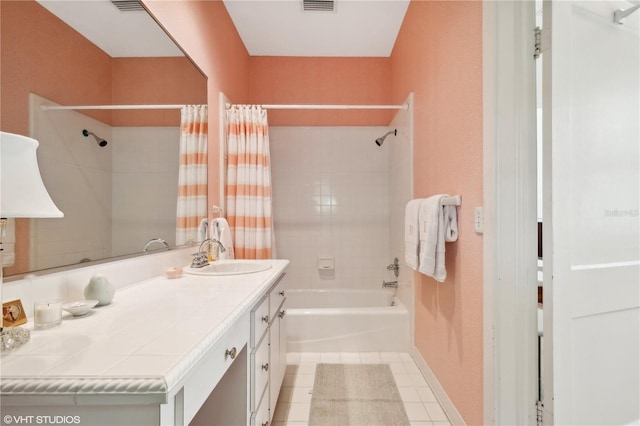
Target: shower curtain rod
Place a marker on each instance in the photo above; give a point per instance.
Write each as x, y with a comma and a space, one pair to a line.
277, 106
66, 107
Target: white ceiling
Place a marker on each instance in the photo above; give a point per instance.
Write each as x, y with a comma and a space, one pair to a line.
283, 28
267, 27
119, 34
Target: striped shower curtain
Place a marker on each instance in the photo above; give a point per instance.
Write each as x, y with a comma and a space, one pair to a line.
192, 173
248, 186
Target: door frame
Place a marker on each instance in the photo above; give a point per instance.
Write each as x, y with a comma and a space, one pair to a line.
510, 216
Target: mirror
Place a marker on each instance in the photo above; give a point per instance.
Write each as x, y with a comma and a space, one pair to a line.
115, 196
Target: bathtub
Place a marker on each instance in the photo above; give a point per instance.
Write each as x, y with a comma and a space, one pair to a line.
338, 320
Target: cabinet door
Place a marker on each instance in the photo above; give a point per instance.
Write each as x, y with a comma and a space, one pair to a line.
274, 352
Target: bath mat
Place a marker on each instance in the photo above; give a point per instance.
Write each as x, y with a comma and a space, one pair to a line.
356, 394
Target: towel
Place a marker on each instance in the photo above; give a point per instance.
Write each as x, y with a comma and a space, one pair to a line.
202, 229
436, 227
411, 234
220, 231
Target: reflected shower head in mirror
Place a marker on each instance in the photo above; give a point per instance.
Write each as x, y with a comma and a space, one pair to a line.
100, 141
380, 140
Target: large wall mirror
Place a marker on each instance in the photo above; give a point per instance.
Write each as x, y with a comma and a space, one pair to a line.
115, 196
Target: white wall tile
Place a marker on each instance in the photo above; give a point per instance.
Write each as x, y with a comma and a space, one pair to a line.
331, 198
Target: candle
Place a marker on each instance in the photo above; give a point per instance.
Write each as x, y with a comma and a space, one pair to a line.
47, 314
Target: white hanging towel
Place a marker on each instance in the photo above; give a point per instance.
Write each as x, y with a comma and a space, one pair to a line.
411, 234
220, 231
436, 227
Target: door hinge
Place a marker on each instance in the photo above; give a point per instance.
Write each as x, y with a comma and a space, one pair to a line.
541, 42
539, 413
537, 49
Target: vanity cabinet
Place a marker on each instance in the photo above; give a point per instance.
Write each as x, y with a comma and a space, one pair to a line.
268, 353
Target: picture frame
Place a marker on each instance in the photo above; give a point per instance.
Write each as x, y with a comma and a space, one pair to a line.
13, 313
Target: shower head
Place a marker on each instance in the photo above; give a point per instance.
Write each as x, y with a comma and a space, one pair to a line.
380, 140
100, 141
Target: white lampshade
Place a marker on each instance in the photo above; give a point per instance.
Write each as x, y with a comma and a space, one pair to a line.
22, 192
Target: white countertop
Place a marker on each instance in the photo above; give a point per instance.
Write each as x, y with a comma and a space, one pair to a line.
144, 342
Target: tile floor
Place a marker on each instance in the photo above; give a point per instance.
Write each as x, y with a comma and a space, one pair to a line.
294, 401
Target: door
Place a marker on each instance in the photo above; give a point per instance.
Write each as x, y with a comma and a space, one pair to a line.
591, 182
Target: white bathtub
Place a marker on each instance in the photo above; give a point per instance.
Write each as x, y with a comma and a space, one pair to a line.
338, 320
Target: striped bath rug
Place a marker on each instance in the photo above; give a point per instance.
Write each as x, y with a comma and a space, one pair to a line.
356, 394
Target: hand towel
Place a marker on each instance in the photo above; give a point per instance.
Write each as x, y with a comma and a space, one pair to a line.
450, 224
411, 234
432, 237
202, 229
220, 231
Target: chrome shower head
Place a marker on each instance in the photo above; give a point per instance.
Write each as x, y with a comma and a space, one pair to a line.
100, 141
380, 140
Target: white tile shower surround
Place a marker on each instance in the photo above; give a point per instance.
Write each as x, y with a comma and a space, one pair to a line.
294, 402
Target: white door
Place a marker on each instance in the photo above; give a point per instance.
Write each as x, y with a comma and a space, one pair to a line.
592, 233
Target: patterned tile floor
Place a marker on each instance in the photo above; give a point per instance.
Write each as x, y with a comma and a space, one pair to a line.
294, 401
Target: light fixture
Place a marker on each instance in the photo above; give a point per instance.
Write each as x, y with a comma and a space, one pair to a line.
22, 192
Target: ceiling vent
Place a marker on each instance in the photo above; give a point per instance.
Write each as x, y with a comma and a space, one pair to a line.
318, 5
127, 5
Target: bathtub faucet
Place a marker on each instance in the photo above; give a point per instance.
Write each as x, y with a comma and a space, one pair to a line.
389, 284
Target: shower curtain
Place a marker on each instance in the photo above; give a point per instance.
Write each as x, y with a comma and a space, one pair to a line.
248, 186
192, 173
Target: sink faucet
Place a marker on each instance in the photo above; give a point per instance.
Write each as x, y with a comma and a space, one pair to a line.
156, 240
213, 240
200, 259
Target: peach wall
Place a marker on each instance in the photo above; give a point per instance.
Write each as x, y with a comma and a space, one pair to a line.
438, 56
205, 31
308, 80
172, 80
56, 63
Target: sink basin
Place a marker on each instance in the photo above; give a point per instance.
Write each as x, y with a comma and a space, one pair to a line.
229, 267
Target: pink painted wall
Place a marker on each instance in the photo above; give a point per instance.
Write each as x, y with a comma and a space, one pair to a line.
438, 56
155, 81
205, 30
308, 80
58, 64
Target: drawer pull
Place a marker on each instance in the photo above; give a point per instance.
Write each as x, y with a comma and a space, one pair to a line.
281, 293
281, 314
231, 353
265, 318
265, 367
265, 424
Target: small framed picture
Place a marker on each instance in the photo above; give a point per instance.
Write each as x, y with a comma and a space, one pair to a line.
13, 314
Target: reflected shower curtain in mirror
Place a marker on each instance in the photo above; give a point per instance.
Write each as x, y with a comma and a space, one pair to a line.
248, 186
192, 173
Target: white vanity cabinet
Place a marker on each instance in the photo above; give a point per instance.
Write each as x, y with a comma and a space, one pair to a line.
268, 358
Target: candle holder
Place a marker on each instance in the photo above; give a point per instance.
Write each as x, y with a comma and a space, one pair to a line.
47, 314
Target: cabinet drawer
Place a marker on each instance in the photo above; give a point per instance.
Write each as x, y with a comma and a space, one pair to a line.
261, 416
206, 375
259, 321
276, 297
260, 372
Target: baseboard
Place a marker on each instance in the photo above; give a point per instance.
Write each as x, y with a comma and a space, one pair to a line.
452, 412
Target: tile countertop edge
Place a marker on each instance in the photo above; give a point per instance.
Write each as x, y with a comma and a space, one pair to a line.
147, 389
153, 388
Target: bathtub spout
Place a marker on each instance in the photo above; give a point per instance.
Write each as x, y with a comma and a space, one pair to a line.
389, 284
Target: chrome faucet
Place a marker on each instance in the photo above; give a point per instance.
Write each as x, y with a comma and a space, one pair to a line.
389, 284
200, 259
212, 240
395, 267
156, 240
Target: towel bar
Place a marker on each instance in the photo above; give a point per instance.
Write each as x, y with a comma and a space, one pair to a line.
455, 200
